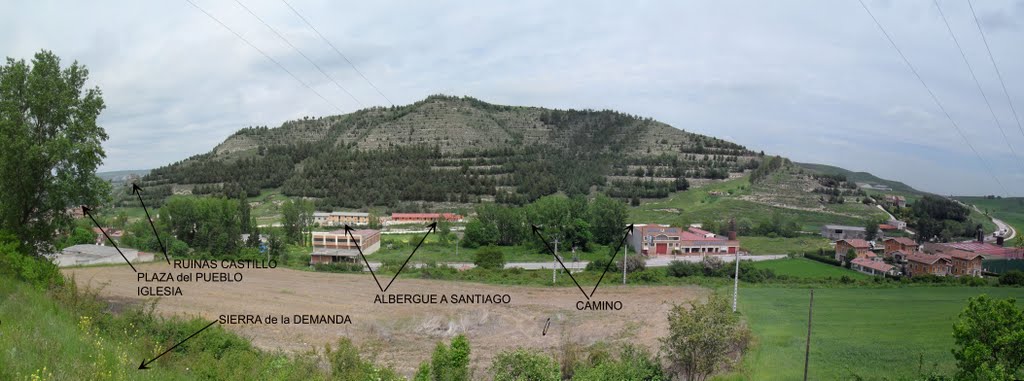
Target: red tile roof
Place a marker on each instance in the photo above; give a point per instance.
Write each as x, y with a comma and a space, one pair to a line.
876, 265
856, 242
986, 249
887, 227
925, 258
903, 241
965, 255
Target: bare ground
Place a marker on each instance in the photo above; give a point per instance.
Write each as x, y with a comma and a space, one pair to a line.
404, 335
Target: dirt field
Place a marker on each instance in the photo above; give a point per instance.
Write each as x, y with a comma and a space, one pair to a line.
403, 335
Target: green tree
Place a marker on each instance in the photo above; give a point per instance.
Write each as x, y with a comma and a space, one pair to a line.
703, 339
851, 254
871, 230
989, 336
297, 217
489, 257
52, 146
607, 219
245, 213
524, 365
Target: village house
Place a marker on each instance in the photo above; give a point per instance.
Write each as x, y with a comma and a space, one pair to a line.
423, 218
920, 264
896, 200
899, 244
340, 218
873, 267
965, 263
860, 246
101, 239
656, 239
337, 246
838, 232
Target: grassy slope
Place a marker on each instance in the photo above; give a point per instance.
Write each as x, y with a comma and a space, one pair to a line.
871, 333
1010, 210
806, 268
860, 177
781, 245
697, 204
42, 339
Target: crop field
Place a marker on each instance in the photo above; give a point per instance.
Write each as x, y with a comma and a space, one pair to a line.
403, 335
717, 200
806, 268
857, 333
783, 245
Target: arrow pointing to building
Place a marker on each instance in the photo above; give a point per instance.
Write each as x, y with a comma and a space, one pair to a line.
629, 229
536, 231
138, 192
432, 227
145, 363
86, 210
348, 230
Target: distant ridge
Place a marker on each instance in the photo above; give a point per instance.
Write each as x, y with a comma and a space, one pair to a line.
860, 177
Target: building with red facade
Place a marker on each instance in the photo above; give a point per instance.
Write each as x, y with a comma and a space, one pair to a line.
656, 239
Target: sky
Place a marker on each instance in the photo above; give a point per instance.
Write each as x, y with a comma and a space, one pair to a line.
815, 81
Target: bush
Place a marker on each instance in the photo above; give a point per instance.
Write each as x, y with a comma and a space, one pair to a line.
1012, 278
450, 363
521, 365
645, 276
634, 364
36, 271
600, 263
342, 267
635, 263
680, 269
822, 258
490, 257
346, 364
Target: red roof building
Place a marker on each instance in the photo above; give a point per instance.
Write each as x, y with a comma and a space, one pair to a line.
861, 247
872, 267
653, 239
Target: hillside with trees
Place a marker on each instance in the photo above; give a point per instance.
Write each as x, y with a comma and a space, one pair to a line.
447, 149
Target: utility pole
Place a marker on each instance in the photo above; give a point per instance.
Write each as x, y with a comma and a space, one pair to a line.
553, 263
624, 265
807, 353
736, 282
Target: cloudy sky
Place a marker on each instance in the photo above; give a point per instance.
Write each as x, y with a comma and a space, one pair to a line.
811, 80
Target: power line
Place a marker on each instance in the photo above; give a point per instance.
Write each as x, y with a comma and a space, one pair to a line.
272, 29
264, 55
998, 74
932, 94
976, 82
337, 51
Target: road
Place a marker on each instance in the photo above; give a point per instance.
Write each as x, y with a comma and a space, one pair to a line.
892, 217
579, 266
1009, 231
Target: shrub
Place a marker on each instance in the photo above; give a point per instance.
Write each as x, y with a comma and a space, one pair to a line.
490, 257
521, 364
1012, 278
645, 276
346, 364
599, 265
37, 271
703, 339
681, 269
635, 263
634, 364
450, 363
342, 267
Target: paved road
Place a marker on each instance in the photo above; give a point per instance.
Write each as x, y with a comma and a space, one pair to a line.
579, 266
1010, 232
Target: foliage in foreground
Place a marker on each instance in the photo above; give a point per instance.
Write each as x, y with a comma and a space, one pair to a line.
704, 339
989, 338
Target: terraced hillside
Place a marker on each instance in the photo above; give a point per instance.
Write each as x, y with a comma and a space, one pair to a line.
457, 150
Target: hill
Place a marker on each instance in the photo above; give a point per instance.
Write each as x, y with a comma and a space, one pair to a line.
448, 150
1008, 209
860, 178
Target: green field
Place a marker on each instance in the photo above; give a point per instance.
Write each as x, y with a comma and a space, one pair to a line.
872, 334
1010, 210
696, 205
782, 245
808, 269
